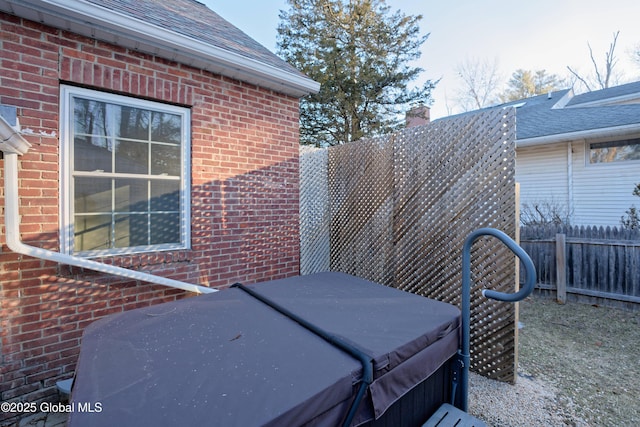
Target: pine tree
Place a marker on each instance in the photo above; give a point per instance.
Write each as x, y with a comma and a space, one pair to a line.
525, 84
360, 52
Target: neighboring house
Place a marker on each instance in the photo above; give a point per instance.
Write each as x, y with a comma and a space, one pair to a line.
580, 154
162, 139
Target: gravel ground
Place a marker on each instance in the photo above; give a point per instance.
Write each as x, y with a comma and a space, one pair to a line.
579, 366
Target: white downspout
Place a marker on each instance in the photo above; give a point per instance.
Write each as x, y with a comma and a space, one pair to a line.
570, 180
12, 226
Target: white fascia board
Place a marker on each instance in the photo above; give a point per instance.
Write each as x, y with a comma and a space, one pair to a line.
610, 132
92, 20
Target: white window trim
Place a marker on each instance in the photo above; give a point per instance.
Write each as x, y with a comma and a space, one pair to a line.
66, 160
619, 164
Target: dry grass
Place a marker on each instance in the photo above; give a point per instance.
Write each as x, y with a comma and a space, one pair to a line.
590, 355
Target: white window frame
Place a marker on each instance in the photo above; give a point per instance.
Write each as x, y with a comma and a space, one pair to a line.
67, 93
612, 164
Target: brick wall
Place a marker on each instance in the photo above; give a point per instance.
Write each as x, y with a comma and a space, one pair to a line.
244, 196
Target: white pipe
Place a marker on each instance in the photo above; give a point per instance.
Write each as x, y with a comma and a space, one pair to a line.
12, 232
570, 179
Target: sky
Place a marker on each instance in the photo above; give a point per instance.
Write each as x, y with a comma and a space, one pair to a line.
533, 35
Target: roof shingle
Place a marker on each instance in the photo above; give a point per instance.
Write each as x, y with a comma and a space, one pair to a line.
193, 19
604, 94
548, 115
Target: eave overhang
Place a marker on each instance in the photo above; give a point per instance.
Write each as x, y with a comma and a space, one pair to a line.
608, 132
91, 20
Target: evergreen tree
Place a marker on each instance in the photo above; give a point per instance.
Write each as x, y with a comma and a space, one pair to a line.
525, 84
360, 53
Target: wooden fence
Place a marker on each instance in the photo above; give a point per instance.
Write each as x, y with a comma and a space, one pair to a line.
586, 261
396, 210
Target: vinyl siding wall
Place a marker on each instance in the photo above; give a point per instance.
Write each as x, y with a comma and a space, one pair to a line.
602, 193
542, 174
598, 194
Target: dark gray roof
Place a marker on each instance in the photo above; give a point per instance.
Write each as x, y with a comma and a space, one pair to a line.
533, 123
546, 101
604, 94
193, 19
558, 113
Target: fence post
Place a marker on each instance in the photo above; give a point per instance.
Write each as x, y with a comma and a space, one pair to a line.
561, 268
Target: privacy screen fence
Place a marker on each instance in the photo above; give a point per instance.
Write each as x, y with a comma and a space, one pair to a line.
397, 209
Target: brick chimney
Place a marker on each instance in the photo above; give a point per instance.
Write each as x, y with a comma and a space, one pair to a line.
418, 116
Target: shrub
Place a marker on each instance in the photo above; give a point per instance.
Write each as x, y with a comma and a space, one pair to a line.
631, 220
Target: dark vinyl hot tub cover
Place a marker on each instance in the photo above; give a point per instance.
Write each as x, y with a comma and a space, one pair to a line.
227, 359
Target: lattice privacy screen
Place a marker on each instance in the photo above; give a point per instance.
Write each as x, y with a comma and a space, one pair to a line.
314, 210
396, 210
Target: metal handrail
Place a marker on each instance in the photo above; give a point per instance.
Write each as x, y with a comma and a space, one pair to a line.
525, 291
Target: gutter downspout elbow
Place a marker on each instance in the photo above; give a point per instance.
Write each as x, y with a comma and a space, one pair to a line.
12, 234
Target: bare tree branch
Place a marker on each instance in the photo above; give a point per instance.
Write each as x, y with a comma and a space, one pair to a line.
635, 54
595, 66
611, 60
602, 78
480, 80
577, 76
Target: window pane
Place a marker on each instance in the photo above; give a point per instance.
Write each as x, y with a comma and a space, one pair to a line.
165, 196
614, 151
131, 123
92, 150
166, 127
132, 157
91, 153
89, 117
165, 228
92, 232
92, 195
165, 159
132, 230
131, 195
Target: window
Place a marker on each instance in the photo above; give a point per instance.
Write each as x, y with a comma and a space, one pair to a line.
124, 167
614, 151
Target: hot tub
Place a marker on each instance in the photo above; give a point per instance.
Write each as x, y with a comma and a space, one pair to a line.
230, 359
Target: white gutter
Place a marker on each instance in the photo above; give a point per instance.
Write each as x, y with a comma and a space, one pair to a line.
582, 134
10, 139
12, 224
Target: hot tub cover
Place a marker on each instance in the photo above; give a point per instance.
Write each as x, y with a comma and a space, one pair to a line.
228, 359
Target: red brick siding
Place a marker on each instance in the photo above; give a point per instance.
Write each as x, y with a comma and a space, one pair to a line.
245, 184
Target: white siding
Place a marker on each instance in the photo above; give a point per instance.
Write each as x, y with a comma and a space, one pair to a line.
595, 194
542, 174
602, 192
